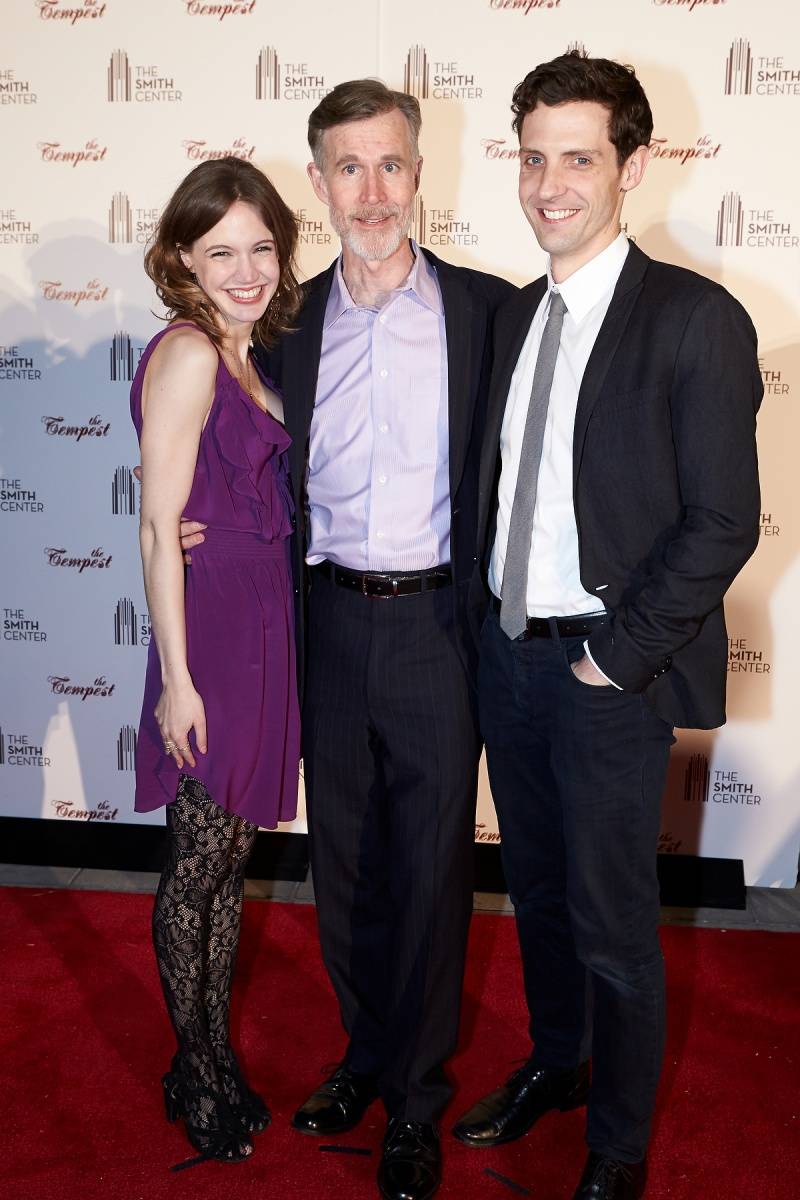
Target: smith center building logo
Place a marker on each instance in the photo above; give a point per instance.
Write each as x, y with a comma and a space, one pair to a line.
292, 81
17, 627
123, 493
747, 74
441, 227
696, 779
123, 357
704, 786
119, 76
755, 227
773, 379
17, 750
130, 627
15, 231
16, 498
15, 91
144, 82
437, 80
743, 659
126, 748
311, 232
16, 365
120, 219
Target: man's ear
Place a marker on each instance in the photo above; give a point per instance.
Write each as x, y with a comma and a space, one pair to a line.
318, 182
633, 168
417, 173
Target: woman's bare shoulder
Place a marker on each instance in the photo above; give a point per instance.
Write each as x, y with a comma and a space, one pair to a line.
185, 348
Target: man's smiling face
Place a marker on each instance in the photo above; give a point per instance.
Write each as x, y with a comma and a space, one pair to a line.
571, 184
368, 179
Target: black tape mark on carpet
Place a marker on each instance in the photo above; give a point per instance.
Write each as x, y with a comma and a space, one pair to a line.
346, 1150
190, 1162
509, 1183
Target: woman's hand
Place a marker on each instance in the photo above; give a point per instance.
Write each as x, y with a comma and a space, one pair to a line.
179, 709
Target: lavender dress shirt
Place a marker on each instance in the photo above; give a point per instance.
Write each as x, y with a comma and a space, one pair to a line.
378, 485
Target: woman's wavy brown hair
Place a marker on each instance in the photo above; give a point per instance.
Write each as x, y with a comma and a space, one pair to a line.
199, 202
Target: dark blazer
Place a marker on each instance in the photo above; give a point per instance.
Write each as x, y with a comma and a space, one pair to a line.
470, 299
665, 479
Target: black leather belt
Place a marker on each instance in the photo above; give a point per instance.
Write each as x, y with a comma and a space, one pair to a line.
566, 626
382, 585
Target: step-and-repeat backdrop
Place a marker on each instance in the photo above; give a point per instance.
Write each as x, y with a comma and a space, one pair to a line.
106, 104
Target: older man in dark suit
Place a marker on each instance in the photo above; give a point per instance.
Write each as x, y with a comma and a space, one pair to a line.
618, 500
385, 384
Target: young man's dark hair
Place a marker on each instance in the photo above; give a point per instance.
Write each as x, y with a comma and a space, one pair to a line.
575, 76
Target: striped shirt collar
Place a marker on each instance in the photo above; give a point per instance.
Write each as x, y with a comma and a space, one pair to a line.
421, 281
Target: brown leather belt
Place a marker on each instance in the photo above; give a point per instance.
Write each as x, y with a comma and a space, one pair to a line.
381, 585
566, 626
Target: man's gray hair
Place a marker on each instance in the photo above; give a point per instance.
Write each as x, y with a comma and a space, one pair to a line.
355, 101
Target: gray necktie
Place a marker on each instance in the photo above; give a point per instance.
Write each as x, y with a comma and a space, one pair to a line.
513, 605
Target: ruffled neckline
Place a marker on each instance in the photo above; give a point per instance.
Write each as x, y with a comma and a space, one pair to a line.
282, 441
249, 452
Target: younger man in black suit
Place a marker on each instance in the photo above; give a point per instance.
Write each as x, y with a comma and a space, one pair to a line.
618, 499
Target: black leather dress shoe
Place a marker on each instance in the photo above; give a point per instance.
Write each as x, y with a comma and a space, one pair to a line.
607, 1179
512, 1109
411, 1164
338, 1105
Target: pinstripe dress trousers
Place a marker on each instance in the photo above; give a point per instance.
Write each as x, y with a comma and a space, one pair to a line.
391, 752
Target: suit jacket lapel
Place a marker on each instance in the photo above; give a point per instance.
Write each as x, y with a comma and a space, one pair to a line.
461, 387
605, 346
301, 354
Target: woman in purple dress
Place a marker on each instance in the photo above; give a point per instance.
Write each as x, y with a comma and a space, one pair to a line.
219, 733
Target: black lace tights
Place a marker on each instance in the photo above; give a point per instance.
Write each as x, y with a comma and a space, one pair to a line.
196, 922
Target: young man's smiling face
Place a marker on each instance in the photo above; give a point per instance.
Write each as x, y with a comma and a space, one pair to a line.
571, 185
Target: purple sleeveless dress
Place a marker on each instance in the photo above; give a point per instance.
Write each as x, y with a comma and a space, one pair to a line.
239, 617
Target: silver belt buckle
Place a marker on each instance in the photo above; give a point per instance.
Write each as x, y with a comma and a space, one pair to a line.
378, 576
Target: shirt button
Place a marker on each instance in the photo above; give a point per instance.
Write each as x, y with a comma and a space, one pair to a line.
383, 428
380, 533
382, 318
381, 479
383, 372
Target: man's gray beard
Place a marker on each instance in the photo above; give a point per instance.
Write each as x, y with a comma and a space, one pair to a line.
372, 247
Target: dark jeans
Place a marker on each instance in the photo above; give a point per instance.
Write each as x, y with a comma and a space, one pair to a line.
391, 766
577, 773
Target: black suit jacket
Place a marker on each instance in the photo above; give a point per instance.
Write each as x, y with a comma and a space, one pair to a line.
665, 481
470, 299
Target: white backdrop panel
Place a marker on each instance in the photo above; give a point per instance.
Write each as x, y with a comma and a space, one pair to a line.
106, 105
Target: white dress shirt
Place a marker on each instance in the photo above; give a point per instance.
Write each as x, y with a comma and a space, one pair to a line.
554, 584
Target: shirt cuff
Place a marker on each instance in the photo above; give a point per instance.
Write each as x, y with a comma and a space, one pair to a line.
588, 654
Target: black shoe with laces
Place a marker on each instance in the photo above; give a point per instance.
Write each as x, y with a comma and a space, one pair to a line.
338, 1105
609, 1179
411, 1162
510, 1111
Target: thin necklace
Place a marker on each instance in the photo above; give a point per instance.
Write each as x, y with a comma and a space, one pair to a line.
246, 383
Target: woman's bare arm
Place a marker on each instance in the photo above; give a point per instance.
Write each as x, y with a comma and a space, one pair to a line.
177, 396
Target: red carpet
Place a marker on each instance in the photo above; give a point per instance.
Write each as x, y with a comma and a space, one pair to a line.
84, 1040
